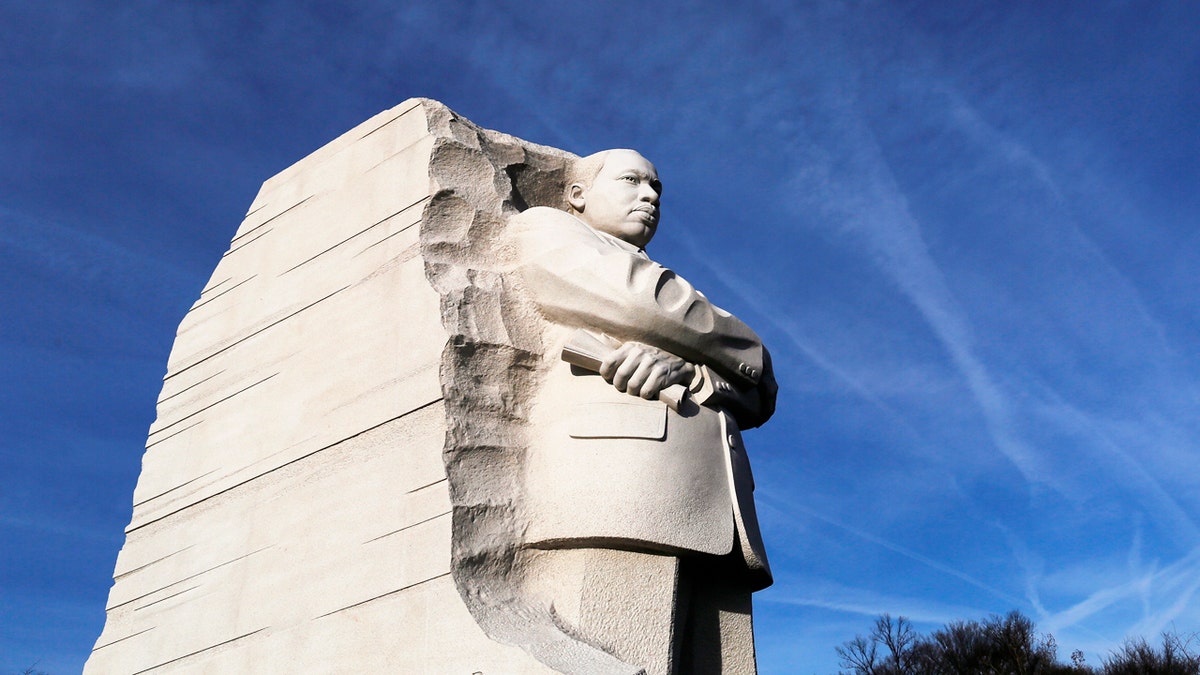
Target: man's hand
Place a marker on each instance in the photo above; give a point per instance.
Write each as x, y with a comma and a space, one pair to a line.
639, 369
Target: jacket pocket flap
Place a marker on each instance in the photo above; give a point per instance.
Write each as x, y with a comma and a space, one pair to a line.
635, 419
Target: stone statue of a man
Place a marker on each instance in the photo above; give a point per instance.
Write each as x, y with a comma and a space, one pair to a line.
642, 539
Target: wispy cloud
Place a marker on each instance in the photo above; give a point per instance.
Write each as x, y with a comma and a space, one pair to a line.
825, 594
1021, 159
862, 200
793, 506
1174, 588
1135, 479
759, 302
1031, 565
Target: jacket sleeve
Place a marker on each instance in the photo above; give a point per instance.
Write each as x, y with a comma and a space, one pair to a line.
578, 280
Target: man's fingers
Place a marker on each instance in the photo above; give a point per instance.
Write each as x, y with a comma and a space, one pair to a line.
615, 360
654, 382
640, 370
641, 380
629, 365
608, 367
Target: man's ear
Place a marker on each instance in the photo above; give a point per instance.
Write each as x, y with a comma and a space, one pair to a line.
575, 196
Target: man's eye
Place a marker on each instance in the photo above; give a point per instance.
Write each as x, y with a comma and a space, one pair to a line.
631, 179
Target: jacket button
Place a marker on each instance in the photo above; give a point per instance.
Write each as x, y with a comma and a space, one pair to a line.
733, 441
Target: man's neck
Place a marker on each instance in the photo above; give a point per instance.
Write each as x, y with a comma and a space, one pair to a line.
617, 241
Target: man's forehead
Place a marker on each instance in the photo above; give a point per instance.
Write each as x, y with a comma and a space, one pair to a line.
618, 161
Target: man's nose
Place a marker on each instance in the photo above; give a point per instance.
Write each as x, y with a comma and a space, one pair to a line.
647, 193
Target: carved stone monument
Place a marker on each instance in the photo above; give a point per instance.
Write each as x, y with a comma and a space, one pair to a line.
436, 411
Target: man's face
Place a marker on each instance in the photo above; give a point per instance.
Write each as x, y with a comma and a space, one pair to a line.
623, 198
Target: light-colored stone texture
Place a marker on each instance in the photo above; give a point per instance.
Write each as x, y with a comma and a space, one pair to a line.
293, 513
370, 455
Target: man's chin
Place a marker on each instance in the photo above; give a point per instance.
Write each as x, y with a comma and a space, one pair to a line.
642, 237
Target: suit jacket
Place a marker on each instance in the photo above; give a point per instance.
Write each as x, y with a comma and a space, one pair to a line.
606, 468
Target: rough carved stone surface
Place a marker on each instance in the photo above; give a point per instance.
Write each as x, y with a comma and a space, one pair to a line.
351, 469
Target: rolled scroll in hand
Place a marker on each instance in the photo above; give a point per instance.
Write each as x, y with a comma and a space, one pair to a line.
588, 350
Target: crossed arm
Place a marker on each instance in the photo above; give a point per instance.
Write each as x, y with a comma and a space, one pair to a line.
669, 332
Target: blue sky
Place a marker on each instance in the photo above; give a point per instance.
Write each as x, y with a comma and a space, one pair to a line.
967, 230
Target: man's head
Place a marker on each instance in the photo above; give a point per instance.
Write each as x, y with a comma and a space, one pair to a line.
616, 192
